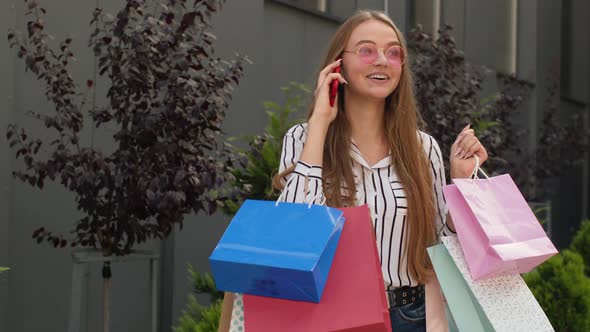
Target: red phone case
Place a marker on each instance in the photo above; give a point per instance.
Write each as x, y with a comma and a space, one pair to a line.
334, 87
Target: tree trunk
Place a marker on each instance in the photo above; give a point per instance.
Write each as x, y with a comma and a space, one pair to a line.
106, 275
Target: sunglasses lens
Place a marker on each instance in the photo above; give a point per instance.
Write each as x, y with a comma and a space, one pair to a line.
368, 53
395, 56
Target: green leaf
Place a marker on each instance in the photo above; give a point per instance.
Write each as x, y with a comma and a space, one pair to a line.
489, 99
271, 105
484, 125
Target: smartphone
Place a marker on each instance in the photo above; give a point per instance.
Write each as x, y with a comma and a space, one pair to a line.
334, 87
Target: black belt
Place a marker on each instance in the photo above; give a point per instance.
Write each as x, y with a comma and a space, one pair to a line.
405, 295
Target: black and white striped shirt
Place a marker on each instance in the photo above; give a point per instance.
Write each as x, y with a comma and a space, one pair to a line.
379, 187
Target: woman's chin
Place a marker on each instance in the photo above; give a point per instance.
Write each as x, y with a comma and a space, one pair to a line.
378, 93
372, 92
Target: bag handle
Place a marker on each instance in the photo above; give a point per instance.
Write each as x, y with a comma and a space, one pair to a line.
322, 202
310, 203
280, 196
477, 169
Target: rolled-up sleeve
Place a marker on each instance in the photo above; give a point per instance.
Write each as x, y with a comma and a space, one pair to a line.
304, 184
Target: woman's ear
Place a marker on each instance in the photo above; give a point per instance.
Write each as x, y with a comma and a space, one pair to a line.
343, 70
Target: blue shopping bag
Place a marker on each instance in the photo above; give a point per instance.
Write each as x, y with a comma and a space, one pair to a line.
283, 251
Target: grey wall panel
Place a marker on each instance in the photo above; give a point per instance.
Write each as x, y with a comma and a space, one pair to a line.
398, 11
526, 64
427, 14
239, 28
343, 8
507, 33
283, 35
548, 51
453, 13
298, 40
316, 35
480, 39
567, 191
7, 20
370, 4
577, 51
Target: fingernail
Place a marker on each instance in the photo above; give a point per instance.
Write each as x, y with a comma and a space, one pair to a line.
458, 152
466, 127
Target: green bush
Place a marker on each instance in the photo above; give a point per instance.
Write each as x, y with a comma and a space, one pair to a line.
581, 244
196, 317
563, 291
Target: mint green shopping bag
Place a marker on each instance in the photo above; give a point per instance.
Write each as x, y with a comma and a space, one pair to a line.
466, 312
503, 303
452, 325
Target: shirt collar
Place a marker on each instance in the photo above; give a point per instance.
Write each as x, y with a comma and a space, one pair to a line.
356, 154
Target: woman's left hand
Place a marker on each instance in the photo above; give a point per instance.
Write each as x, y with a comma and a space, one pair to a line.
466, 145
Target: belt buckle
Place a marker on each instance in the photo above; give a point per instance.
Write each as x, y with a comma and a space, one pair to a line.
406, 295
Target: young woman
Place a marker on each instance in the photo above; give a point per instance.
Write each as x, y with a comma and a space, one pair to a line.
368, 149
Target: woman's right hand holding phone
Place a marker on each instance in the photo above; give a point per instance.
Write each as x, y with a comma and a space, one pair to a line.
323, 113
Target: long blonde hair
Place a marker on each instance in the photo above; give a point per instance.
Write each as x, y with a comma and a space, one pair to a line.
402, 121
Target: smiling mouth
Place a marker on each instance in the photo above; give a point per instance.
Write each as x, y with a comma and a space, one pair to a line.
378, 77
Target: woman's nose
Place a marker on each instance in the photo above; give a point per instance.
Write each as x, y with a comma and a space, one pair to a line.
381, 59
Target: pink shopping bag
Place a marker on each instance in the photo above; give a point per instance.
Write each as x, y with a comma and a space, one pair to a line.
498, 231
354, 298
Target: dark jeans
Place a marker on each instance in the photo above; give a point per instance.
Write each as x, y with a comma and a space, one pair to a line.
409, 318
